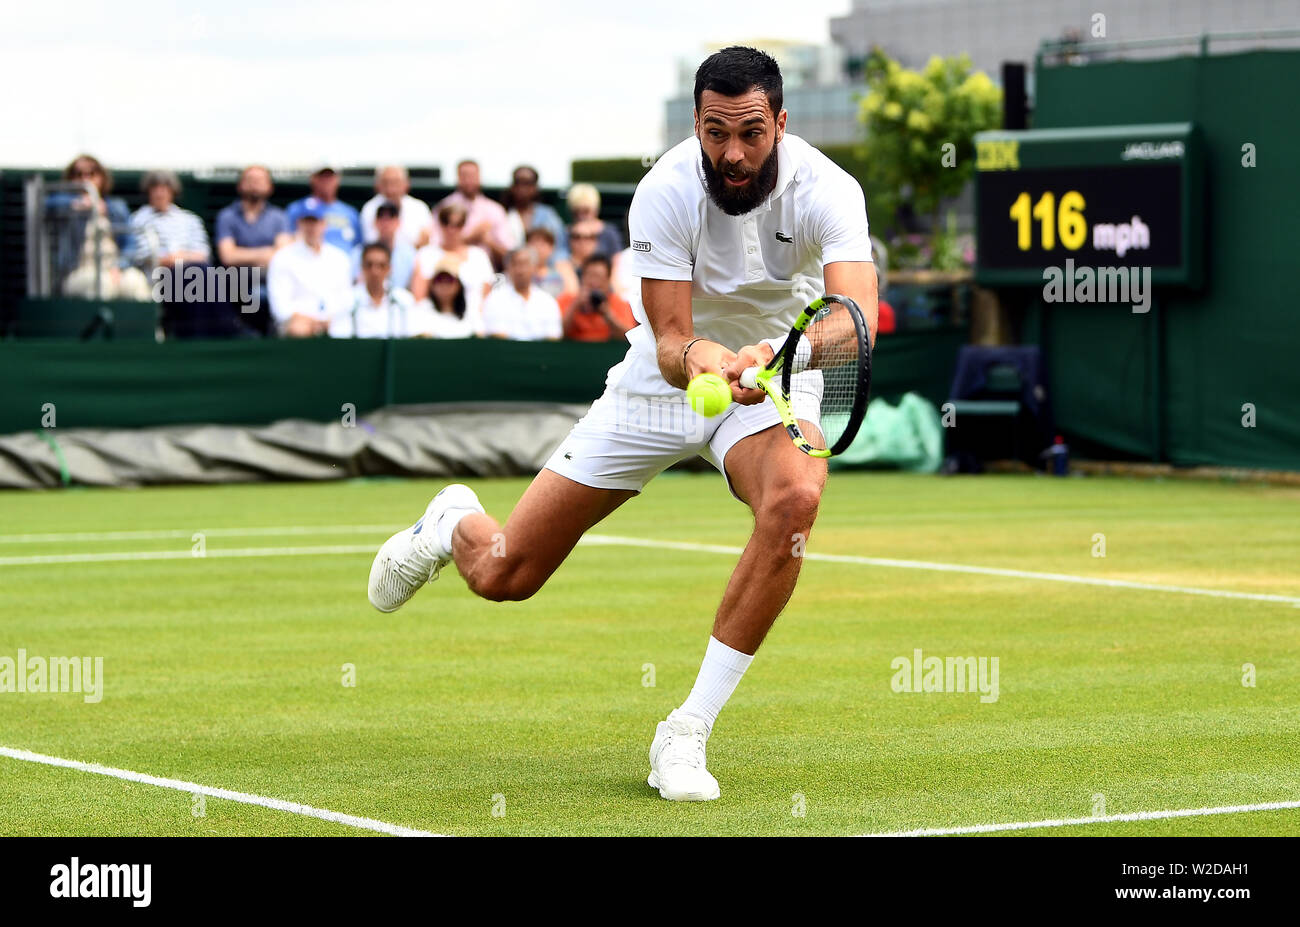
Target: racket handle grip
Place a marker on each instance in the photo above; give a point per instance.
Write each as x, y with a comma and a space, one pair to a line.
749, 378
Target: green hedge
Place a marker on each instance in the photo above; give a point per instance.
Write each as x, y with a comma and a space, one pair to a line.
609, 170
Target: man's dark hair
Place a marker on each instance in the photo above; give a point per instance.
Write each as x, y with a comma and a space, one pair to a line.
737, 70
597, 258
542, 232
376, 246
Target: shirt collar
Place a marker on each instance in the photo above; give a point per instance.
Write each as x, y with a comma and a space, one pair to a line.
785, 169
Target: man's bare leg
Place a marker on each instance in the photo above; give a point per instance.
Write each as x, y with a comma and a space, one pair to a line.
783, 487
512, 563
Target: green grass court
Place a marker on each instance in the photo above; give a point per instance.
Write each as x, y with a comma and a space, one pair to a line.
227, 670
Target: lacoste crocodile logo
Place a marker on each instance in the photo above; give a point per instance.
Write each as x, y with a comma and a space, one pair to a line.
782, 236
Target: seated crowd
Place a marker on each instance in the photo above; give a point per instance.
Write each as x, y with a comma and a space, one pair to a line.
468, 266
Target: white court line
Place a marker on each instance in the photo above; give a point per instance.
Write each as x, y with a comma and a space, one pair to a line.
599, 539
595, 540
193, 788
280, 531
1100, 819
396, 830
110, 556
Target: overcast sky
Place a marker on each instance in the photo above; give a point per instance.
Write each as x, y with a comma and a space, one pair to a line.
164, 84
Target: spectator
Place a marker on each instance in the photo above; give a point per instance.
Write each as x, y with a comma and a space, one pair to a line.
518, 310
173, 242
393, 185
584, 205
165, 233
401, 253
249, 231
486, 224
526, 212
309, 281
447, 302
379, 309
595, 312
554, 274
472, 263
95, 245
342, 222
584, 241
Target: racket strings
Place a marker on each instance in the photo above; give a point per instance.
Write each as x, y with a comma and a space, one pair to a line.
824, 381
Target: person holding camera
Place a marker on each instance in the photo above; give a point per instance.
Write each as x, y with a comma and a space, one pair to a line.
595, 312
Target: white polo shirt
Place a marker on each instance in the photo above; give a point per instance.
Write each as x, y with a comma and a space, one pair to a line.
506, 314
315, 283
413, 217
396, 315
752, 274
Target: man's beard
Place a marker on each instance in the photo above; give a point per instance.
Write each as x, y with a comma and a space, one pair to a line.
735, 201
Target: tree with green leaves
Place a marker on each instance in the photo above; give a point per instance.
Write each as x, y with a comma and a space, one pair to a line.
921, 126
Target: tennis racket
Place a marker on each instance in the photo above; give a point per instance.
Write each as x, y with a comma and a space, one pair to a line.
820, 379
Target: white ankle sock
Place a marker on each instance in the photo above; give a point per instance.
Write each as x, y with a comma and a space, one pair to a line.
447, 525
719, 675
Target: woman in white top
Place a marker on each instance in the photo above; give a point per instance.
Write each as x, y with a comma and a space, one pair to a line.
470, 262
448, 310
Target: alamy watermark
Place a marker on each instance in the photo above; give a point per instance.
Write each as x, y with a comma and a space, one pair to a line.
920, 673
75, 879
52, 674
671, 414
1071, 284
208, 284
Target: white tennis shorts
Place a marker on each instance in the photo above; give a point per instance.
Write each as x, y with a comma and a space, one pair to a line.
627, 439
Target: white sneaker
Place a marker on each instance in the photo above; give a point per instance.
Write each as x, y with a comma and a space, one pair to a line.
413, 556
677, 760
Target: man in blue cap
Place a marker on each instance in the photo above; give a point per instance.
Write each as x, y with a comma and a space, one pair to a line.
309, 281
342, 222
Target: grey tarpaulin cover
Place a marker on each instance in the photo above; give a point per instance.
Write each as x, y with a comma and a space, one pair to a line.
449, 439
460, 439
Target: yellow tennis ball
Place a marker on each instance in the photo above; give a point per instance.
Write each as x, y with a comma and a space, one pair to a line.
709, 394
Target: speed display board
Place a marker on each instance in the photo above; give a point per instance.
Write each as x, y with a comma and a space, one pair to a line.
1113, 196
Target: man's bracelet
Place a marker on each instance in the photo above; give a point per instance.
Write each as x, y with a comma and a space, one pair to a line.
686, 350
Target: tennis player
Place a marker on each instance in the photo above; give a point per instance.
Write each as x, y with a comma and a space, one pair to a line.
724, 228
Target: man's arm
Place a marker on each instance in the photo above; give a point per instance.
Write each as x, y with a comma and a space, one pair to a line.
668, 309
617, 328
567, 312
854, 279
233, 255
198, 247
857, 281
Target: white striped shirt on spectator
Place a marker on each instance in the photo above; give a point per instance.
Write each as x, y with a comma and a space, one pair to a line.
158, 233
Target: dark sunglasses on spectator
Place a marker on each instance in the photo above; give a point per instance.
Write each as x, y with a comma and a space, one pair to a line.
370, 264
452, 225
581, 236
444, 277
